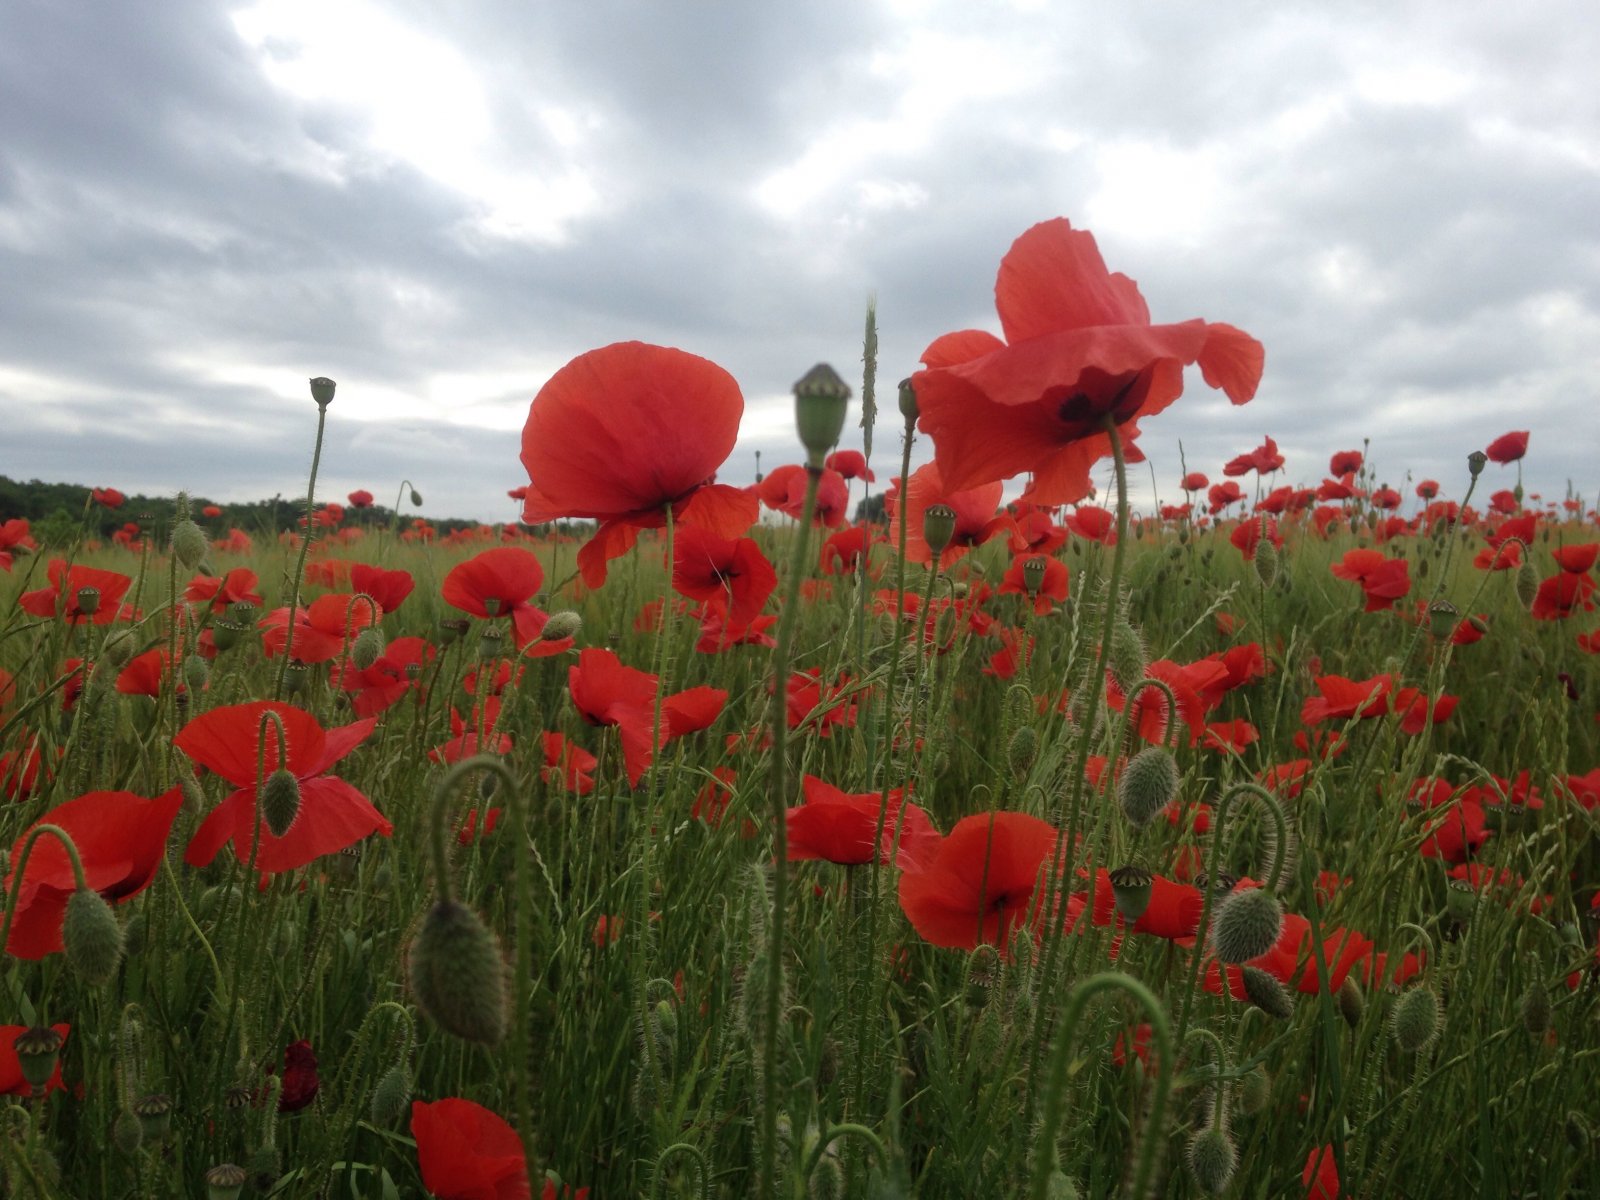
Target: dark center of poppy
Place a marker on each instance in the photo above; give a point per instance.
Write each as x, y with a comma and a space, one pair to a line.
1095, 396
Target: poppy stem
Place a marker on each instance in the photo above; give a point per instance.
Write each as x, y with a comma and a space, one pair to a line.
702, 1177
779, 787
300, 564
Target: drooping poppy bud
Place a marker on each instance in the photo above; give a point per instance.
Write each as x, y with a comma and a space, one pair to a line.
1414, 1022
1352, 1002
458, 975
1266, 993
1148, 784
91, 937
1127, 661
1246, 926
367, 648
1212, 1158
391, 1096
280, 801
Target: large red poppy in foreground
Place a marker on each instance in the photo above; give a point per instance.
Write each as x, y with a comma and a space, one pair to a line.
467, 1152
623, 433
1079, 348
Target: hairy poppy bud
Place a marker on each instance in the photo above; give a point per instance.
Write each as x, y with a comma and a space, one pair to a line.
280, 801
367, 648
1212, 1158
390, 1095
196, 673
1127, 661
1059, 1186
1476, 462
188, 544
1352, 1002
416, 498
1266, 559
821, 400
37, 1050
1021, 751
127, 1131
1255, 1089
225, 1181
1414, 1021
1131, 887
561, 625
1527, 584
91, 937
1149, 783
266, 1168
908, 402
322, 390
458, 974
1266, 993
118, 649
983, 972
938, 527
1536, 1010
1246, 926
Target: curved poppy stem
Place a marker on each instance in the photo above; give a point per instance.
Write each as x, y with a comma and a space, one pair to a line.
1055, 1091
832, 1134
702, 1177
300, 564
20, 870
779, 787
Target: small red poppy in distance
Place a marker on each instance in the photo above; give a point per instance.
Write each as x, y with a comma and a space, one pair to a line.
332, 813
238, 586
980, 884
1194, 481
107, 497
1345, 462
320, 629
1079, 350
623, 433
1508, 447
466, 1152
851, 464
120, 838
360, 498
784, 490
1383, 579
837, 827
501, 583
1263, 460
68, 595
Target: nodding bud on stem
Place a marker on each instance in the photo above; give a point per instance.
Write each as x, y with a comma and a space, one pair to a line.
821, 400
938, 527
91, 937
1212, 1158
416, 498
322, 390
1149, 783
1414, 1021
458, 975
280, 801
1246, 926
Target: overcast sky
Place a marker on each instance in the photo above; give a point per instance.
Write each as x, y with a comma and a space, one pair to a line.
202, 204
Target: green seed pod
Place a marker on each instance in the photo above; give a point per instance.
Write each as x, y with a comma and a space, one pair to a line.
127, 1131
1536, 1010
1352, 1002
1255, 1090
367, 648
295, 678
91, 937
1149, 783
1414, 1021
1033, 574
938, 526
908, 401
322, 390
133, 934
1059, 1186
225, 635
1212, 1158
1128, 659
1527, 584
154, 1111
196, 673
280, 801
821, 400
1267, 994
1246, 926
37, 1050
1020, 753
1461, 900
1266, 561
225, 1181
390, 1097
458, 974
1131, 887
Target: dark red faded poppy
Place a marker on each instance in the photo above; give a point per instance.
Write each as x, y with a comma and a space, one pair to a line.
976, 519
332, 813
120, 838
784, 490
980, 884
838, 827
12, 1081
70, 590
502, 583
1508, 447
1079, 350
622, 434
851, 464
300, 1081
729, 575
1263, 460
466, 1152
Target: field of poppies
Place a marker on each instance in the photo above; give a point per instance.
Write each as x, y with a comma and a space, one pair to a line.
691, 840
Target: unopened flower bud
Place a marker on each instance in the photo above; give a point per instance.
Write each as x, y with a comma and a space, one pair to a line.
416, 498
127, 1131
1527, 584
1127, 660
196, 673
1352, 1002
1148, 784
1266, 993
561, 625
390, 1095
1536, 1010
280, 801
458, 975
821, 400
367, 648
1266, 559
322, 390
1414, 1022
1246, 926
91, 937
1212, 1159
188, 544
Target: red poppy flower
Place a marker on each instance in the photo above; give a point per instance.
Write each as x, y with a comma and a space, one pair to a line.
1233, 735
1220, 495
1384, 580
1321, 1176
1173, 912
1079, 349
1562, 595
120, 839
13, 537
501, 583
1340, 698
607, 693
466, 1152
568, 765
388, 588
360, 498
852, 464
730, 575
1194, 481
1345, 462
145, 673
1416, 715
784, 490
66, 594
12, 1082
382, 685
716, 635
1508, 447
107, 497
473, 735
805, 694
980, 884
320, 628
842, 551
238, 586
1093, 523
300, 1081
621, 434
1263, 460
332, 814
1034, 532
837, 827
1053, 583
975, 510
1188, 683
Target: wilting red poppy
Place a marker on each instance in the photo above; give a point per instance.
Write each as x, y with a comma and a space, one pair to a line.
466, 1152
837, 826
784, 490
120, 839
238, 586
13, 537
1383, 579
730, 575
851, 464
332, 813
975, 509
107, 497
980, 884
300, 1081
1079, 349
1508, 447
360, 498
12, 1082
1263, 460
621, 434
69, 591
500, 583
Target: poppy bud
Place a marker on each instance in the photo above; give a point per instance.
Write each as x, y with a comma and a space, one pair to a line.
1536, 1010
367, 648
188, 544
827, 1178
1033, 574
196, 673
1246, 926
224, 1182
458, 974
1131, 887
154, 1111
983, 972
1352, 1002
390, 1096
821, 400
88, 600
280, 801
663, 1032
37, 1050
561, 625
1527, 584
1255, 1089
127, 1131
118, 649
416, 498
1059, 1186
938, 527
1020, 753
1212, 1158
1414, 1021
322, 390
1266, 560
908, 402
1127, 661
265, 1169
1149, 783
1442, 619
1266, 993
1476, 461
91, 937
